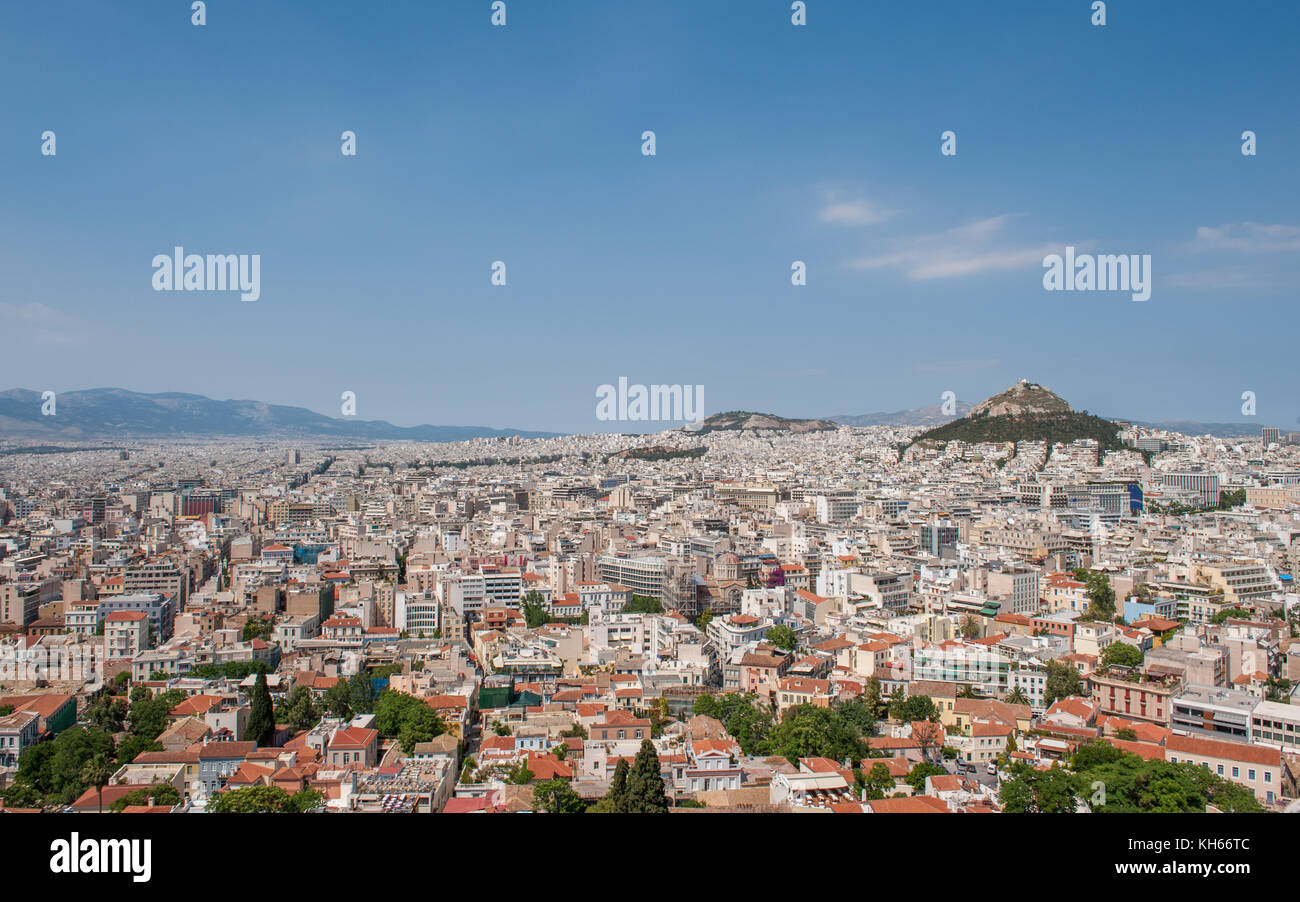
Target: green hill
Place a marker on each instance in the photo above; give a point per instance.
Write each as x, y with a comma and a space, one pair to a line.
1026, 412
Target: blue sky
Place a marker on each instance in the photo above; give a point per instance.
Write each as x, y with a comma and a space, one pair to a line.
775, 144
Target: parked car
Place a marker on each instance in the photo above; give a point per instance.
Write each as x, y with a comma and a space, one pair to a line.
993, 767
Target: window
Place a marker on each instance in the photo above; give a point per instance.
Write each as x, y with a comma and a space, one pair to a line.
1250, 774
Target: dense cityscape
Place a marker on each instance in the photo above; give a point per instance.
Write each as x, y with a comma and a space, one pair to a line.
755, 616
727, 410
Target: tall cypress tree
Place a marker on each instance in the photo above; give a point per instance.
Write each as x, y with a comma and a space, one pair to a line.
261, 719
646, 793
617, 794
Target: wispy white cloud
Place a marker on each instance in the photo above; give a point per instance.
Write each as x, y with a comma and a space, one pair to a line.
965, 250
1249, 238
853, 211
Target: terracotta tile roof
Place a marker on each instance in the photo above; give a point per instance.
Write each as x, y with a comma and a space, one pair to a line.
912, 805
1219, 748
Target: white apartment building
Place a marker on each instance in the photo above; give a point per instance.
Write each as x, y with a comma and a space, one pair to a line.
1276, 725
837, 508
469, 593
417, 612
730, 633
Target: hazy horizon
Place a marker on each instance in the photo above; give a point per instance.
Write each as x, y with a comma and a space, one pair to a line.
633, 427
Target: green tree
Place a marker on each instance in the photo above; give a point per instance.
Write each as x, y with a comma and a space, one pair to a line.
109, 714
707, 705
913, 708
21, 795
534, 608
1101, 597
56, 771
251, 800
858, 712
147, 716
744, 717
305, 800
878, 782
338, 699
257, 629
659, 716
468, 771
874, 695
1122, 654
783, 637
1094, 753
643, 604
557, 797
1063, 681
615, 801
1231, 498
645, 790
133, 746
922, 769
1133, 784
1016, 697
1031, 791
298, 710
423, 724
97, 772
231, 670
809, 731
159, 794
1224, 614
408, 718
361, 694
261, 717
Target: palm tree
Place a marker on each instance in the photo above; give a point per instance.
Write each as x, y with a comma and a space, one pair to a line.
1017, 697
97, 772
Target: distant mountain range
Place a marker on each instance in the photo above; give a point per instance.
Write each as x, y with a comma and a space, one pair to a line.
1026, 412
101, 413
113, 413
920, 416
